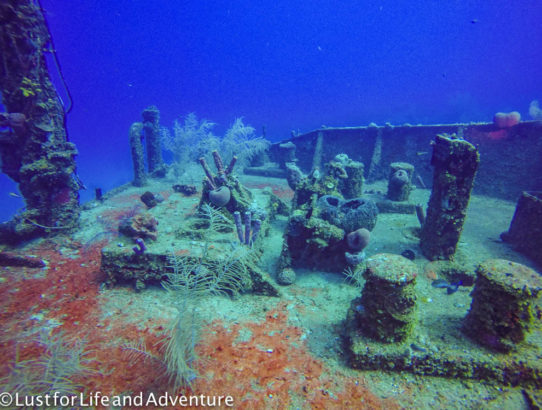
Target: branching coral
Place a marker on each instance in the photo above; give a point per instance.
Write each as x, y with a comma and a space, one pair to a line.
193, 139
191, 279
55, 371
241, 140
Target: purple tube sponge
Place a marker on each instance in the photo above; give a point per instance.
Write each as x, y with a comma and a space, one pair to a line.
257, 224
232, 164
239, 226
210, 179
247, 220
140, 247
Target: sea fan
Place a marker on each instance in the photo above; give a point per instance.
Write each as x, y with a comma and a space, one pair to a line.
55, 371
190, 139
190, 279
241, 140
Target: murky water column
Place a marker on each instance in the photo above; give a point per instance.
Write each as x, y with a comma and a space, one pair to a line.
501, 312
456, 162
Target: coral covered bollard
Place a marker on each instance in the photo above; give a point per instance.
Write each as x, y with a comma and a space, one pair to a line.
138, 154
151, 127
388, 301
400, 181
456, 162
525, 232
287, 151
348, 174
352, 187
501, 311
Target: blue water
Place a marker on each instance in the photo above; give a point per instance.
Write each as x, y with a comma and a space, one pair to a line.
287, 65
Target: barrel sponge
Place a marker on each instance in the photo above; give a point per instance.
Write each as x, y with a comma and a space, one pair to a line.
358, 213
348, 215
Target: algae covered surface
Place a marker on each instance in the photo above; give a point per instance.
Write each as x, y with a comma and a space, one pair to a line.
285, 350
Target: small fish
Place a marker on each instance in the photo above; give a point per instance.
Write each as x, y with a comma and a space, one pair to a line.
14, 195
418, 348
440, 283
444, 284
420, 153
360, 309
453, 288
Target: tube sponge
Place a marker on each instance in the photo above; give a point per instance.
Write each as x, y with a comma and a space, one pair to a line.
247, 221
255, 230
238, 226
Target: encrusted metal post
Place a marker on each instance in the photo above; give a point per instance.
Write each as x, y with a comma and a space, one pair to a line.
37, 155
502, 309
151, 125
456, 162
400, 181
387, 311
138, 156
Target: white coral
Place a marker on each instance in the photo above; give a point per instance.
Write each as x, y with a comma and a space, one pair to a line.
193, 138
534, 111
241, 140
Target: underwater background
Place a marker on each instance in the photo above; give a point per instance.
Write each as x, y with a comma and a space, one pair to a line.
285, 65
296, 204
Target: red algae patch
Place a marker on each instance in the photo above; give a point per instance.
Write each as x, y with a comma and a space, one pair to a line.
118, 370
127, 199
66, 290
62, 296
111, 218
266, 365
260, 364
283, 192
